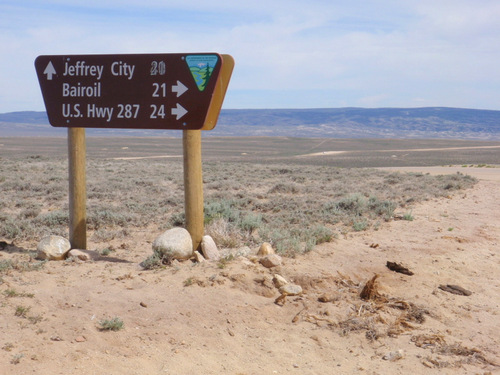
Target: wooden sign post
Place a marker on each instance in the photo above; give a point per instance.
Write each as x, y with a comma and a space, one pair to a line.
182, 91
77, 188
193, 186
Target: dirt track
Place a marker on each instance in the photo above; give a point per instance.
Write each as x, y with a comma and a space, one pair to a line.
324, 153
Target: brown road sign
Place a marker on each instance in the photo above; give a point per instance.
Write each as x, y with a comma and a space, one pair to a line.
139, 91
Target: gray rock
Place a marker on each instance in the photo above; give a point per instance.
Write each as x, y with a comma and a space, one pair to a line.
291, 289
271, 260
175, 243
209, 248
53, 248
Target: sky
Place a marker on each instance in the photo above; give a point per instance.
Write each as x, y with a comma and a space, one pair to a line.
289, 54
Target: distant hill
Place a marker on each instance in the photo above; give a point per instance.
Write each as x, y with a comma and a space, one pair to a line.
431, 122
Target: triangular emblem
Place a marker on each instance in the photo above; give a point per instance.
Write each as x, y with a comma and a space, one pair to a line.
202, 67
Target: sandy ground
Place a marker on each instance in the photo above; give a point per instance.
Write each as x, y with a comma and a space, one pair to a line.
221, 318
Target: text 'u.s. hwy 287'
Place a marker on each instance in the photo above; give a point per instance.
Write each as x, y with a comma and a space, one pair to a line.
139, 91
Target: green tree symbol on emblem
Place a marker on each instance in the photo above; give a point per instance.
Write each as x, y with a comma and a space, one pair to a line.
202, 67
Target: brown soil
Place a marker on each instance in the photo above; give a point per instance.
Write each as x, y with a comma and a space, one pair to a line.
220, 318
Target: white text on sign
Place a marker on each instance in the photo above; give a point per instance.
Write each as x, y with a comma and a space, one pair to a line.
121, 111
81, 69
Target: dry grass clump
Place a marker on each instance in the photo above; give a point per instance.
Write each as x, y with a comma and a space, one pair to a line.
369, 291
438, 345
294, 207
369, 311
378, 316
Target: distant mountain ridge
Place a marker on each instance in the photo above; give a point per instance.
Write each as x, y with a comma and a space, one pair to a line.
428, 122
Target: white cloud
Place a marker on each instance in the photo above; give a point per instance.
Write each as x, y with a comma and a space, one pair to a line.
386, 53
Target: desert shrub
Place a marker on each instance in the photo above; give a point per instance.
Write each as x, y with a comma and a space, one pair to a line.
224, 209
282, 188
22, 311
18, 228
408, 216
152, 262
10, 229
354, 204
288, 245
282, 171
250, 222
178, 219
114, 324
156, 260
321, 234
106, 235
360, 225
29, 213
394, 178
7, 265
224, 233
457, 181
53, 219
292, 205
383, 208
102, 218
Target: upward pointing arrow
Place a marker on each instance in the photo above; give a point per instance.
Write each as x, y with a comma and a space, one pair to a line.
179, 88
50, 71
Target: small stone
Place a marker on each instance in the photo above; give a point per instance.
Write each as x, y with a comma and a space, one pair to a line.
198, 257
393, 356
270, 261
53, 248
79, 254
291, 289
265, 249
324, 298
209, 248
328, 298
143, 304
80, 339
279, 281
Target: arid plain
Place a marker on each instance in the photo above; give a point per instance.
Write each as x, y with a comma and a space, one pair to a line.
336, 210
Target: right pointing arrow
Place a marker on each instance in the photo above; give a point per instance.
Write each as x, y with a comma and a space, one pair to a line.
179, 111
50, 71
179, 88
